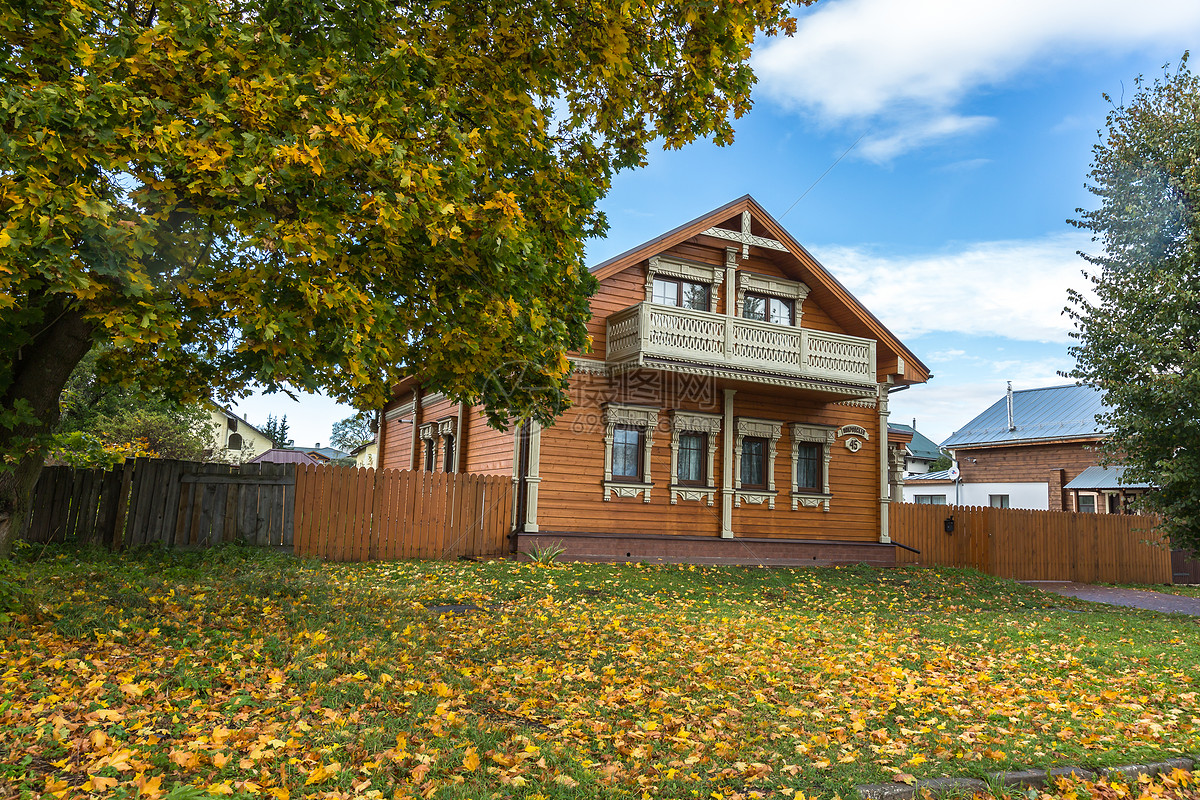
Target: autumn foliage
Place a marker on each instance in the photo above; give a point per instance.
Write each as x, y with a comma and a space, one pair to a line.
260, 676
325, 195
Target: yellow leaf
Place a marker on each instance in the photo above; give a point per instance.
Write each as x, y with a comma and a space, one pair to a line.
323, 773
471, 760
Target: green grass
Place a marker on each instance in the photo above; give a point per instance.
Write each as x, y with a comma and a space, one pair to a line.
256, 674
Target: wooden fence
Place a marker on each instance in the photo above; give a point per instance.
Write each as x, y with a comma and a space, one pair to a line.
1034, 545
160, 501
347, 514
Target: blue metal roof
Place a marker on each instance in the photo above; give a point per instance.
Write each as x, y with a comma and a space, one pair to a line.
1054, 412
921, 445
1104, 478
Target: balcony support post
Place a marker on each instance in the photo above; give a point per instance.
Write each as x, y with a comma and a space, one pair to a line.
727, 468
884, 483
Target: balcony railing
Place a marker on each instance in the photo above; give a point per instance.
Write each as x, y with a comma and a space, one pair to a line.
648, 331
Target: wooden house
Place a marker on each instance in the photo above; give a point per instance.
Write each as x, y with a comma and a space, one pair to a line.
733, 409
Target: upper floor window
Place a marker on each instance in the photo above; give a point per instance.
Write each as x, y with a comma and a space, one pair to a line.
681, 293
768, 309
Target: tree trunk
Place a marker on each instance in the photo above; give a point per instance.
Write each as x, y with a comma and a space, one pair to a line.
40, 371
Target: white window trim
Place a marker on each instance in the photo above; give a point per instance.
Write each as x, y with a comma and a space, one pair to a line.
772, 287
447, 427
803, 433
694, 422
640, 417
428, 433
699, 273
772, 431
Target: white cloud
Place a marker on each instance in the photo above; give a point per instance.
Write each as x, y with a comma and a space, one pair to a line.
1011, 289
906, 65
941, 408
882, 149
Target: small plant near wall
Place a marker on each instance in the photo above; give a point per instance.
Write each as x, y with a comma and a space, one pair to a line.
545, 555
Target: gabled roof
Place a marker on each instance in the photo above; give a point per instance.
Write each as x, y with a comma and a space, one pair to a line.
1104, 478
921, 445
826, 290
1050, 413
232, 415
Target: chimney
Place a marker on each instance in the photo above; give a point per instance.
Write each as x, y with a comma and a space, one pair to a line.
1011, 425
914, 423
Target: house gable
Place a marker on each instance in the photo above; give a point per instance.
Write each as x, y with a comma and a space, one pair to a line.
761, 246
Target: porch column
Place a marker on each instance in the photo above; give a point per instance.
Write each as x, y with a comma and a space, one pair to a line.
884, 498
533, 476
727, 467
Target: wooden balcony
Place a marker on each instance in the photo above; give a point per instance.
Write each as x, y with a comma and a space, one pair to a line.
654, 336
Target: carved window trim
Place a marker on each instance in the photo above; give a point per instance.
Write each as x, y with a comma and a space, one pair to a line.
644, 418
694, 422
772, 287
429, 445
447, 435
697, 273
825, 436
772, 431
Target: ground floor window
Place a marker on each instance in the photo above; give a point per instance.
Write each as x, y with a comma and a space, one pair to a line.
998, 500
754, 448
628, 438
694, 437
1087, 504
627, 453
931, 499
811, 454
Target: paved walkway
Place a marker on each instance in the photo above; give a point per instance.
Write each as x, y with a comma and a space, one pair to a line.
1133, 598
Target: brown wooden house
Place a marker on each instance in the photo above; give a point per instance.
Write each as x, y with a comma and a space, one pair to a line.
733, 409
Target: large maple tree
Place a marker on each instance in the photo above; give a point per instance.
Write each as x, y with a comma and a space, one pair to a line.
328, 194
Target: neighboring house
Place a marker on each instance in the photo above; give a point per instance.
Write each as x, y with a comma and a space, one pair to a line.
329, 453
234, 439
920, 451
287, 455
1031, 449
367, 454
733, 409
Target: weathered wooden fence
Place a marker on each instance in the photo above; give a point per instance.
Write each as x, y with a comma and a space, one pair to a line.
172, 503
348, 514
1034, 545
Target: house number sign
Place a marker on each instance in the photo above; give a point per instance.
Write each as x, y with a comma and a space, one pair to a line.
853, 444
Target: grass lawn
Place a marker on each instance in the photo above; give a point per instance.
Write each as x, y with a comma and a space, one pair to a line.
259, 675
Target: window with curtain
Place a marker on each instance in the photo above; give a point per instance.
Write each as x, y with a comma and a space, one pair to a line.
692, 447
754, 463
808, 468
627, 453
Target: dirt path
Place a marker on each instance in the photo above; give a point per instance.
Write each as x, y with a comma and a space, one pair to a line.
1133, 598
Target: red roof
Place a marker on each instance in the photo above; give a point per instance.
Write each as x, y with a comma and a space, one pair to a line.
277, 456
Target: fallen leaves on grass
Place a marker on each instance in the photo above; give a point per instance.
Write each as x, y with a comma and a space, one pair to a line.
268, 677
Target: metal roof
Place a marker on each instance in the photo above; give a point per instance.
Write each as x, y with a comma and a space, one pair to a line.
921, 445
1104, 478
940, 475
1053, 412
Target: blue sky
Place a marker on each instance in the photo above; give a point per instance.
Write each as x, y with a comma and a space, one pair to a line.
974, 126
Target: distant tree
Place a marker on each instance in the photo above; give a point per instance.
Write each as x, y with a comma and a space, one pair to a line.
1139, 338
277, 430
942, 462
352, 432
103, 423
